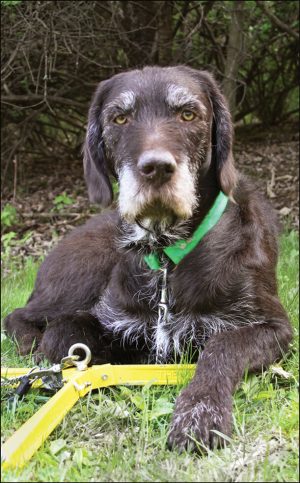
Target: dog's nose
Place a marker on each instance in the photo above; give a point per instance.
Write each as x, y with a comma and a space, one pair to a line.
156, 165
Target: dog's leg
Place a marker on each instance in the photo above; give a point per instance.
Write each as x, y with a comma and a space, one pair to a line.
28, 335
72, 277
206, 403
26, 325
70, 329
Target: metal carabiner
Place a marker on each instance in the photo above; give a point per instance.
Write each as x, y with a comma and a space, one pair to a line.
162, 312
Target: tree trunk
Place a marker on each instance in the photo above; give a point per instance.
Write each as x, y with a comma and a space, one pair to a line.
234, 52
165, 32
139, 26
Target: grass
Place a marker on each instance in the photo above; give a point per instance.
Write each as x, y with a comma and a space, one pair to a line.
119, 434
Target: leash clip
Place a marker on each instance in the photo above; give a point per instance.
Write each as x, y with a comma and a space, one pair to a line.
163, 311
163, 304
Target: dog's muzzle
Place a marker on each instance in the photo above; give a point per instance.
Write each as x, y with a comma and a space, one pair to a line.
156, 166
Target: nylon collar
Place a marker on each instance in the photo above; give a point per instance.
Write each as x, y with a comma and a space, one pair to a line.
181, 248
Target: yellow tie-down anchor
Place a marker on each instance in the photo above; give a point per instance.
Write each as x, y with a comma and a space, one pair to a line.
76, 383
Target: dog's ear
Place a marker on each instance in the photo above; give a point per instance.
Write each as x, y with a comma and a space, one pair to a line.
222, 131
96, 170
221, 136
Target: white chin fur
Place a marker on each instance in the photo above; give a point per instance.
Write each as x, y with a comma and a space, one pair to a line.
179, 194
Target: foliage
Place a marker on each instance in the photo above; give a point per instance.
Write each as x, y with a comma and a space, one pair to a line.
10, 240
119, 434
55, 53
60, 201
10, 3
9, 215
7, 240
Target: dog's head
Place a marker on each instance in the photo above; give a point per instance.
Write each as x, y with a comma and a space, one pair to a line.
158, 131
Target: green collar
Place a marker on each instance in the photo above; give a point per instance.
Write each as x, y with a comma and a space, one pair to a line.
181, 248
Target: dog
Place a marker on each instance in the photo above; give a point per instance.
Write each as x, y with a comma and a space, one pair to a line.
165, 134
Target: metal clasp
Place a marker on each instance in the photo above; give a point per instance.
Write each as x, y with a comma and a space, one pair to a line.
163, 304
83, 364
163, 310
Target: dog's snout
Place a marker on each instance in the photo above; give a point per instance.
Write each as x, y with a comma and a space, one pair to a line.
156, 165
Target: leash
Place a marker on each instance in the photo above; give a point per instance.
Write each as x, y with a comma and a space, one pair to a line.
157, 260
73, 379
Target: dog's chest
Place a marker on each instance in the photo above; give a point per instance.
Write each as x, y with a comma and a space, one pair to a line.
149, 316
139, 311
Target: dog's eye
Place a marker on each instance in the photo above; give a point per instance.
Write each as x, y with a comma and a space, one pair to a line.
187, 115
121, 119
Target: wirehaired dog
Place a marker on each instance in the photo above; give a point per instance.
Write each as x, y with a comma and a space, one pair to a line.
166, 135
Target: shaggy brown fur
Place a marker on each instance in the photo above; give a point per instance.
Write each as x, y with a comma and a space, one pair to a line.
166, 135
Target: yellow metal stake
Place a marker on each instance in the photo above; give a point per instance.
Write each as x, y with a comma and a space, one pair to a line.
19, 448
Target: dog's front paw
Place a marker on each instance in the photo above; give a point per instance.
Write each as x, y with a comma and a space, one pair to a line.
195, 417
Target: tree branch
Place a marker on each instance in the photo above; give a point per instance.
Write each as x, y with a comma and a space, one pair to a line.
276, 21
17, 99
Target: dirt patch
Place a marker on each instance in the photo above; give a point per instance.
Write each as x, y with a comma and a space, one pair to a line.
272, 159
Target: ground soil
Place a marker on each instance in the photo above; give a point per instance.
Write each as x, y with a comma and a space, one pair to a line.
269, 156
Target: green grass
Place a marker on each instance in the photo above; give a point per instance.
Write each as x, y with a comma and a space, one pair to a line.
119, 434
